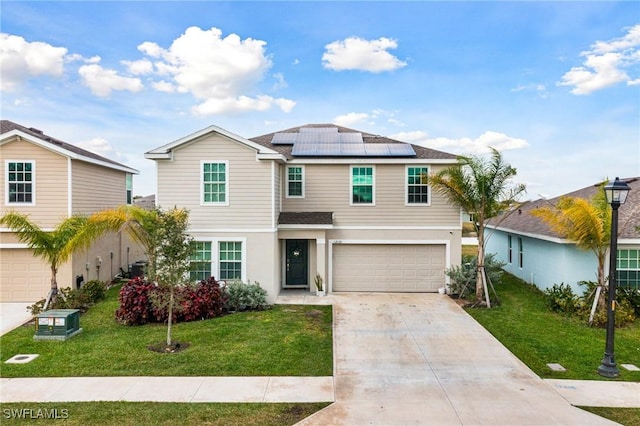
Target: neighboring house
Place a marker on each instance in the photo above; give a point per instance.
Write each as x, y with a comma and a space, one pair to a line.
147, 202
318, 199
536, 254
50, 180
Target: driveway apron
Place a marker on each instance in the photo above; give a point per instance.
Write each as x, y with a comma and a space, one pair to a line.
419, 359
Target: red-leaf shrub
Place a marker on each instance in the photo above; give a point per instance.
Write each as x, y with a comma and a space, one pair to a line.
142, 302
135, 306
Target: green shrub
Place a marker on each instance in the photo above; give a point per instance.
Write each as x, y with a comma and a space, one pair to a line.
95, 290
68, 298
463, 277
631, 295
624, 314
561, 298
245, 296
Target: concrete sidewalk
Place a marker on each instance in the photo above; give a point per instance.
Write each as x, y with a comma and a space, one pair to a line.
168, 389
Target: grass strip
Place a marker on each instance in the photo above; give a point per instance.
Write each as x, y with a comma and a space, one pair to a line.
154, 413
539, 336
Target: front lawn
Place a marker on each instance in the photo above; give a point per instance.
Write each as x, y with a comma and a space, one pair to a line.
287, 340
538, 336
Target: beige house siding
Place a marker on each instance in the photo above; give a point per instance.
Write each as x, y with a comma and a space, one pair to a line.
260, 260
51, 191
250, 201
327, 188
95, 188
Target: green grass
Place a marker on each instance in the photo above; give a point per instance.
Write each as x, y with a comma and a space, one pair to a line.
624, 416
287, 340
153, 413
538, 336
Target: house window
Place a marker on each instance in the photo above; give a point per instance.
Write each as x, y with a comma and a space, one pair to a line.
417, 190
215, 187
628, 273
129, 187
200, 260
230, 255
510, 248
20, 178
520, 253
362, 191
295, 182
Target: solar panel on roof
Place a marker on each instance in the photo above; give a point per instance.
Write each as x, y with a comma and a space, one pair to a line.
401, 150
318, 130
376, 149
284, 138
351, 149
351, 137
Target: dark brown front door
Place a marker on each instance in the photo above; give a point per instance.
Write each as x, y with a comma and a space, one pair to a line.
297, 263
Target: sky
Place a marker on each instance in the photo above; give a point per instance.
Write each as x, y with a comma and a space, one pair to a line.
554, 86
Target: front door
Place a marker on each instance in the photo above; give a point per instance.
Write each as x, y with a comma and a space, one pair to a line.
297, 263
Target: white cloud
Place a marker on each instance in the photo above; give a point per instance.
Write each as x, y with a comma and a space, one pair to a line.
141, 67
241, 104
98, 146
479, 145
351, 118
103, 81
220, 71
355, 53
281, 83
605, 64
21, 59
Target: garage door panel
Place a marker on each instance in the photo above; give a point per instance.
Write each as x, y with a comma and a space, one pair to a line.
23, 277
388, 267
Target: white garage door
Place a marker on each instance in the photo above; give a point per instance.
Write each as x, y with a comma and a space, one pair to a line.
388, 267
23, 277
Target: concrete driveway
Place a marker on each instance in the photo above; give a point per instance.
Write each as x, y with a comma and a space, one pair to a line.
13, 315
420, 359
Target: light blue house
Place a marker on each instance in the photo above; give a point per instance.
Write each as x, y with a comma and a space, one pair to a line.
537, 255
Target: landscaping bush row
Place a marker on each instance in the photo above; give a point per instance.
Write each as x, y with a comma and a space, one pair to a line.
143, 302
562, 299
88, 295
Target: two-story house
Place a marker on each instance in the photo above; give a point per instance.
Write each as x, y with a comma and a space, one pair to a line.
317, 199
50, 180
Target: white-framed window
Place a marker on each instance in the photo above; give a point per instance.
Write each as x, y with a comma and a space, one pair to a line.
200, 261
214, 183
628, 271
363, 190
417, 191
510, 248
223, 258
129, 188
230, 257
520, 253
20, 178
295, 182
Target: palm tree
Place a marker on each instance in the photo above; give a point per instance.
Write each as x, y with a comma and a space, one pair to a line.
139, 223
55, 247
588, 224
482, 188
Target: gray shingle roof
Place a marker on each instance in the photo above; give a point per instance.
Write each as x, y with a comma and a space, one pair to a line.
7, 126
421, 152
522, 221
305, 218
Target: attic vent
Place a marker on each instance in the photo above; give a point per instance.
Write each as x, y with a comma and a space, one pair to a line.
33, 129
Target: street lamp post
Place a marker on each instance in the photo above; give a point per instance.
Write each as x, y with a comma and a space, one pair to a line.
616, 193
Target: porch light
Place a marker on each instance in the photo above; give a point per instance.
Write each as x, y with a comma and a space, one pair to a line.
616, 193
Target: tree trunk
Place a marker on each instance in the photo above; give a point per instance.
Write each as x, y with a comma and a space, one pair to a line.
53, 290
169, 320
480, 273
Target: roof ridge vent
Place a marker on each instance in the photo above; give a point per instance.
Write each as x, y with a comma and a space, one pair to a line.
33, 129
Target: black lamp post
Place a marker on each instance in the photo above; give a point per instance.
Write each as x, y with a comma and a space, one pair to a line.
616, 195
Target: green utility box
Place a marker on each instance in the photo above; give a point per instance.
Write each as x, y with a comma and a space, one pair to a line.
57, 324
